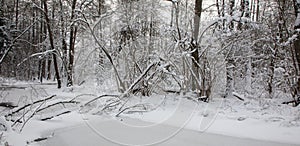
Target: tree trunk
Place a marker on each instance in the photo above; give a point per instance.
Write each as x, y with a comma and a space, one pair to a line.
223, 14
197, 18
295, 8
242, 9
252, 10
248, 78
72, 47
297, 44
49, 69
231, 6
229, 76
63, 40
17, 13
194, 48
101, 6
218, 8
52, 44
247, 8
279, 39
257, 10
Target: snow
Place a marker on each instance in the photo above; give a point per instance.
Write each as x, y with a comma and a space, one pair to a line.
102, 133
256, 120
35, 129
170, 119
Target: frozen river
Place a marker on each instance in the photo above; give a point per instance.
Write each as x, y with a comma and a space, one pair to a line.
134, 132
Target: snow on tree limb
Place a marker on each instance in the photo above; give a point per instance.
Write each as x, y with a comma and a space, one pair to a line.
27, 105
99, 97
40, 55
138, 79
14, 40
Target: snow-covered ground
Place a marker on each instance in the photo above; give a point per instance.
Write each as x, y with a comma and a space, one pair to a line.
171, 119
162, 135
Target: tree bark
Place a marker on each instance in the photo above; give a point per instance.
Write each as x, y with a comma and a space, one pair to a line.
257, 10
223, 14
52, 44
194, 48
197, 18
218, 8
229, 76
17, 13
72, 46
247, 8
49, 69
231, 6
245, 12
297, 43
295, 8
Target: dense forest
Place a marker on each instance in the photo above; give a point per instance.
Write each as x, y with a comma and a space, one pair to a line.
210, 48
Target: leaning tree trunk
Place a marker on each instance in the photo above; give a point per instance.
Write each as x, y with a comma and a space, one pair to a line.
52, 44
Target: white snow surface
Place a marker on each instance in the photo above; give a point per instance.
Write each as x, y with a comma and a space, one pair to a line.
253, 119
